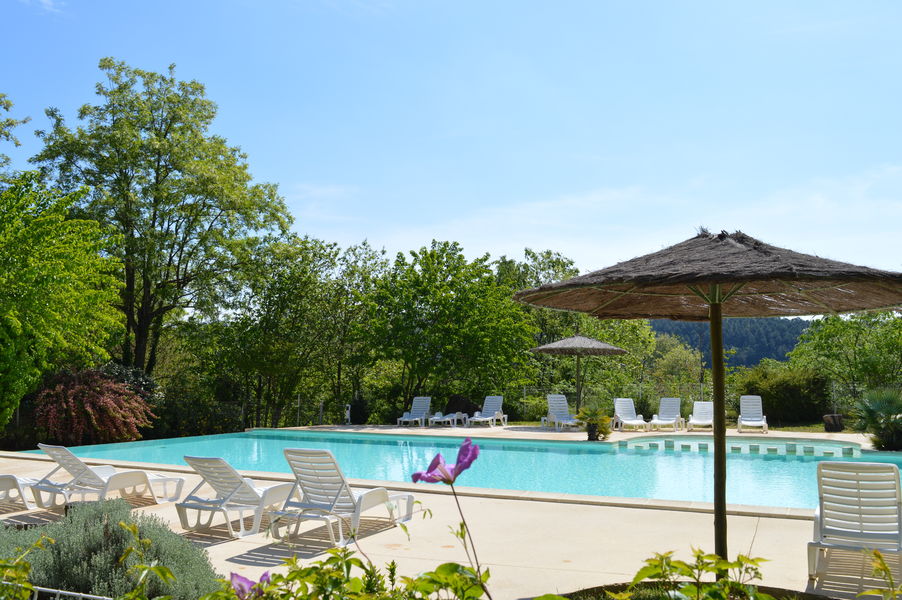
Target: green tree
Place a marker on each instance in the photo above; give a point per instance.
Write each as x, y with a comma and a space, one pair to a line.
348, 351
56, 287
6, 128
181, 197
448, 323
858, 352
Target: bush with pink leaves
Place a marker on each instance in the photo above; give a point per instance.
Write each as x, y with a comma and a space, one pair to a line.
89, 407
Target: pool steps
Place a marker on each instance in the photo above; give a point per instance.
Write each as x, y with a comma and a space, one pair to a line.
757, 447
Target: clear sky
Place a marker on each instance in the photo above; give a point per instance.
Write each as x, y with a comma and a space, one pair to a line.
602, 130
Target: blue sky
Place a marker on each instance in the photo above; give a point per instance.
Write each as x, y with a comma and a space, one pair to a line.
602, 130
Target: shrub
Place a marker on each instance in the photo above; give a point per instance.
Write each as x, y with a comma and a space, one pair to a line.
790, 394
89, 543
90, 407
879, 413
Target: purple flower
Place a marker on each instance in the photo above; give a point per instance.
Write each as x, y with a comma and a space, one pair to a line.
246, 588
438, 471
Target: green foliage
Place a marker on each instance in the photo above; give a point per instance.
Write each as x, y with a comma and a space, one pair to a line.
751, 339
76, 408
6, 128
595, 418
879, 413
790, 393
180, 196
692, 580
893, 591
14, 573
448, 321
342, 575
858, 352
90, 543
56, 287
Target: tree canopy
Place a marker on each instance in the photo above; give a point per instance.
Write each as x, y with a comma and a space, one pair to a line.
57, 286
180, 197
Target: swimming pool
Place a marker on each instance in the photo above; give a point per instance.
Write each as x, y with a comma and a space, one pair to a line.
628, 470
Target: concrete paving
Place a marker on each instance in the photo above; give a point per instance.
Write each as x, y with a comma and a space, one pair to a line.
532, 543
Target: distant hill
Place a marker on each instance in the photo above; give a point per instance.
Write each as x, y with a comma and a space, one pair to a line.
753, 339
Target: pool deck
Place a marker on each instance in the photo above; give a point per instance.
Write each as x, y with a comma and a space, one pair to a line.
532, 543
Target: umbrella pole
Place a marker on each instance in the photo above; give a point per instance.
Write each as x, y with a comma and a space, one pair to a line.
579, 386
720, 431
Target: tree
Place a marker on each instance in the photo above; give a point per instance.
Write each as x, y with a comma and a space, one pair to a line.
6, 128
57, 287
181, 197
448, 322
858, 352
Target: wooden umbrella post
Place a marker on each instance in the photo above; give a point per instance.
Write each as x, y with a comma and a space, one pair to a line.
720, 428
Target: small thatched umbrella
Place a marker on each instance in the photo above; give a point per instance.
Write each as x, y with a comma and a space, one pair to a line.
578, 346
715, 275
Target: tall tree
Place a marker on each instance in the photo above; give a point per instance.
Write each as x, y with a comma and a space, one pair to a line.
57, 287
858, 352
446, 320
181, 198
6, 128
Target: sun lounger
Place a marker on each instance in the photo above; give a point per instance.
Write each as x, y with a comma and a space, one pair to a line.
491, 412
97, 481
859, 508
625, 415
559, 412
235, 497
750, 413
668, 414
13, 488
322, 493
702, 414
419, 412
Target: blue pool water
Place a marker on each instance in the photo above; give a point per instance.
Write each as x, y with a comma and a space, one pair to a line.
757, 473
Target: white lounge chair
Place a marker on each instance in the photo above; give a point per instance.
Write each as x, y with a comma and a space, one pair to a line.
235, 495
323, 494
419, 412
668, 414
97, 481
10, 484
750, 413
702, 414
859, 507
625, 415
450, 419
491, 412
559, 412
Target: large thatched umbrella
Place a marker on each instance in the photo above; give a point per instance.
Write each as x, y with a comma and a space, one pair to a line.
712, 276
579, 346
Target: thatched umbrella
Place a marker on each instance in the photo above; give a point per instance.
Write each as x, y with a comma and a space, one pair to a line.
579, 346
712, 276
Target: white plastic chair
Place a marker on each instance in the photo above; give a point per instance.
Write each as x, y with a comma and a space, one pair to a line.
10, 484
491, 412
234, 494
450, 419
750, 413
419, 412
559, 412
859, 507
97, 481
668, 414
323, 494
625, 415
702, 414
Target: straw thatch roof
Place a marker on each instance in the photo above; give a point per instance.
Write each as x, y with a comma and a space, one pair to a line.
756, 279
579, 345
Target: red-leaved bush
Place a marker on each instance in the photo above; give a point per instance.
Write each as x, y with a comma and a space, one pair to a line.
89, 407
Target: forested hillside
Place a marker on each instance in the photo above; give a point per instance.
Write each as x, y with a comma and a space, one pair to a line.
752, 339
